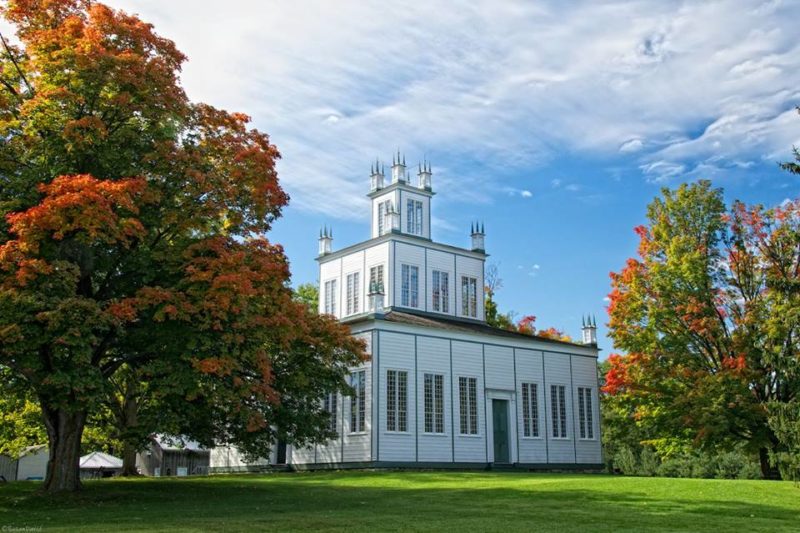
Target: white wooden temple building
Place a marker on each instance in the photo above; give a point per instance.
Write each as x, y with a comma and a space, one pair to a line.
442, 388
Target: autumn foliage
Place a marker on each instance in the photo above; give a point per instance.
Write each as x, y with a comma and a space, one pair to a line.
708, 314
133, 243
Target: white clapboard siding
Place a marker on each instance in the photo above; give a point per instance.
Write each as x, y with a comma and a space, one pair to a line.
468, 362
397, 352
584, 374
433, 357
529, 368
499, 367
557, 372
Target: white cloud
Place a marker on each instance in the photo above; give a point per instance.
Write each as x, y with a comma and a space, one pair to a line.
556, 183
631, 145
526, 193
502, 85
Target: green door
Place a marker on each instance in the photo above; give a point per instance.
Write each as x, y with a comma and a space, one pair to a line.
500, 429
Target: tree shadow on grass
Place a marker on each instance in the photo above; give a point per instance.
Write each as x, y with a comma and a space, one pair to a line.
371, 501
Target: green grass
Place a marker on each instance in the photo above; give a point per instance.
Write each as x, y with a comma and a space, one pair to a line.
368, 501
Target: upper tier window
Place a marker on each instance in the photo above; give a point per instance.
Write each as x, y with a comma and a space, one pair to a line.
414, 217
469, 296
409, 296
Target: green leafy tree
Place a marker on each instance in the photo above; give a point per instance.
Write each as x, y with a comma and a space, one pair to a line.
708, 314
308, 293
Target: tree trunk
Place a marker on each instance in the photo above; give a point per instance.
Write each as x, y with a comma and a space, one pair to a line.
129, 460
767, 470
64, 431
128, 423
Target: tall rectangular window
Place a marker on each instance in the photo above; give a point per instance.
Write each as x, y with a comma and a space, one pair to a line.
434, 403
353, 293
396, 400
358, 401
329, 404
468, 405
440, 291
383, 209
585, 414
414, 217
469, 296
530, 410
409, 296
558, 410
376, 276
330, 297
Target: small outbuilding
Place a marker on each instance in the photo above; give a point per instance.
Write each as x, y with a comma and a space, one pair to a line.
30, 465
172, 456
100, 465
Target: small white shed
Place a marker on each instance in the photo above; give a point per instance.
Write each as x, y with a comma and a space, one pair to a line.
99, 464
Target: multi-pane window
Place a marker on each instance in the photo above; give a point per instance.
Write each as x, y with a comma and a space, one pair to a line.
558, 410
396, 400
468, 405
440, 292
414, 217
530, 410
330, 297
409, 296
585, 414
376, 277
353, 293
434, 403
358, 401
329, 404
383, 209
469, 296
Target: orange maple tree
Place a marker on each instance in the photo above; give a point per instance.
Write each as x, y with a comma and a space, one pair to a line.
132, 242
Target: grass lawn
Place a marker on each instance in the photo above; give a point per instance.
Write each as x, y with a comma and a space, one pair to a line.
367, 501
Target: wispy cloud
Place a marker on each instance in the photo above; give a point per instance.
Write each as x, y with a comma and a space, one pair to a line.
482, 88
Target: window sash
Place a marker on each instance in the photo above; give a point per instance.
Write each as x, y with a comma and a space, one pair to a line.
469, 296
558, 409
434, 403
396, 400
353, 293
440, 294
530, 410
585, 414
358, 403
468, 408
376, 275
410, 286
330, 405
330, 297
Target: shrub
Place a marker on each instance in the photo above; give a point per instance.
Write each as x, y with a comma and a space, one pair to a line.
676, 467
625, 460
648, 463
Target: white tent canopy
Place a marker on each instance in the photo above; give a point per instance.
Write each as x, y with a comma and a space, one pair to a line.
97, 460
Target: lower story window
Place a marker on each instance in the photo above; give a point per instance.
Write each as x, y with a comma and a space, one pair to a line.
396, 400
330, 405
530, 410
358, 401
585, 414
558, 408
468, 405
434, 403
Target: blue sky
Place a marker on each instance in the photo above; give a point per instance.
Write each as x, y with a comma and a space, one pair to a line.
555, 123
